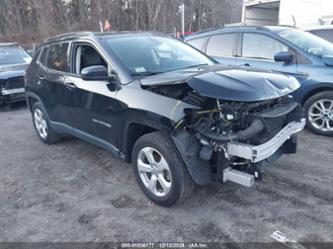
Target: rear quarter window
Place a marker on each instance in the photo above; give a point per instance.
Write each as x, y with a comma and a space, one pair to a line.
198, 43
57, 57
32, 65
43, 56
36, 56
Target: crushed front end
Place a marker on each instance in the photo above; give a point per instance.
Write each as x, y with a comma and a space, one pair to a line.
233, 140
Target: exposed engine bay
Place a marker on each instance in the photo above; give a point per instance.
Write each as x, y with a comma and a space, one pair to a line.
236, 121
250, 122
226, 136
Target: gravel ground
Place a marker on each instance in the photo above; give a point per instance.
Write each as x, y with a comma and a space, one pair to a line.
74, 191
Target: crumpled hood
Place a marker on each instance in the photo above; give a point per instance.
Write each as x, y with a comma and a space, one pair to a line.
10, 71
229, 83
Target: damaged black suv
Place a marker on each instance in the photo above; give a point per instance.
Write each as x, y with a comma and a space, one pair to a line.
180, 118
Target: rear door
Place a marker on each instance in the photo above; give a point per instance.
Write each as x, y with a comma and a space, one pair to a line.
222, 48
52, 89
258, 50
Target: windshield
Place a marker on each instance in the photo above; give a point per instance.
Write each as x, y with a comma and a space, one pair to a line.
13, 55
308, 42
147, 55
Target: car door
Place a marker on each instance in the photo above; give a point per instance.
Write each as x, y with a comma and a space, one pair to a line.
94, 105
258, 50
51, 83
222, 48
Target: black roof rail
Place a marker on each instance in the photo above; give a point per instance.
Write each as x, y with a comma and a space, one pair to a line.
129, 32
69, 35
208, 29
72, 35
246, 26
287, 26
116, 32
226, 27
238, 24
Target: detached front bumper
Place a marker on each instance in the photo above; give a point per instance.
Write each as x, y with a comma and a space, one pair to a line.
12, 95
257, 153
5, 92
12, 89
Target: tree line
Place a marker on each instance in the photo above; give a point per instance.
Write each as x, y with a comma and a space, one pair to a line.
31, 21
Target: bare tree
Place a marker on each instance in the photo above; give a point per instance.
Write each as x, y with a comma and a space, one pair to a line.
30, 21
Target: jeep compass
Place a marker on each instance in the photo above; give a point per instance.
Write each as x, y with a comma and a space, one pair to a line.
180, 118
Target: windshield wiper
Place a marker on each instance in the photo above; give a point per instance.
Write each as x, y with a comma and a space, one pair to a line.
145, 73
177, 69
258, 58
198, 65
183, 68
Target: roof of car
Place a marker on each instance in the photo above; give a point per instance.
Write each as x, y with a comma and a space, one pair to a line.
238, 28
81, 34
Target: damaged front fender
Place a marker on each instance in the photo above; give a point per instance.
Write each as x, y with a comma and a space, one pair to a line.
189, 149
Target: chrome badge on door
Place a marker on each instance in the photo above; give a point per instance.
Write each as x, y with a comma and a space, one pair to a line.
101, 123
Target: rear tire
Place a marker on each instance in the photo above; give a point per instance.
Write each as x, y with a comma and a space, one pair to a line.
319, 113
42, 125
159, 171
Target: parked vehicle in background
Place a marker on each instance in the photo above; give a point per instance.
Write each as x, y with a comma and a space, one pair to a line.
297, 13
168, 108
283, 49
13, 62
325, 32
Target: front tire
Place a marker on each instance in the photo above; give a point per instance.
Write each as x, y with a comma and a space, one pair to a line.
42, 125
319, 113
159, 171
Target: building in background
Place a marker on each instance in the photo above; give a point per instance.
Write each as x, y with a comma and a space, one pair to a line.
298, 13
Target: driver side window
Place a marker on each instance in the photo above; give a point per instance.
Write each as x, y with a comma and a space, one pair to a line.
258, 46
85, 56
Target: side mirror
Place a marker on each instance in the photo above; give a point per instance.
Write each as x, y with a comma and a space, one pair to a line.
97, 72
283, 56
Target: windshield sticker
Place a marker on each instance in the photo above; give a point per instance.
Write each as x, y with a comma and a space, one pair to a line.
140, 69
27, 59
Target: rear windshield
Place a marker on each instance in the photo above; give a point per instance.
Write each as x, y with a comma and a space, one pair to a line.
13, 55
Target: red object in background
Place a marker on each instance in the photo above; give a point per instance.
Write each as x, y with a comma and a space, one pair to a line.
181, 35
107, 25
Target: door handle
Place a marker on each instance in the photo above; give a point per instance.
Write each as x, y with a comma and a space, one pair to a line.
70, 85
247, 64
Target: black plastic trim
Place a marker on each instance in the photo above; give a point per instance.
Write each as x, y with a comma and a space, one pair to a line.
63, 128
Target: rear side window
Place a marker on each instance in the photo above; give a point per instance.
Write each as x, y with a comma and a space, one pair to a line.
58, 57
198, 43
221, 45
258, 46
36, 56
